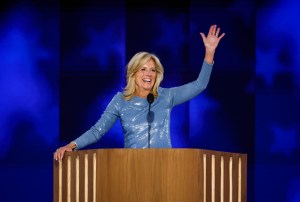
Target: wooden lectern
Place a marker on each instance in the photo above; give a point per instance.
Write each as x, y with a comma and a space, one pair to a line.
151, 175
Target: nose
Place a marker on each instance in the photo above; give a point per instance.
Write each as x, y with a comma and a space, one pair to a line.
148, 72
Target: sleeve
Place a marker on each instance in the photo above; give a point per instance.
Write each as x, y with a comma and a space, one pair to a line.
186, 92
106, 121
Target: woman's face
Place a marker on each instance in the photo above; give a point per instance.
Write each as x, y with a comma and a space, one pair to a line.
145, 78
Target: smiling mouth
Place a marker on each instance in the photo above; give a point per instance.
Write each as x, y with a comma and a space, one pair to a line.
147, 80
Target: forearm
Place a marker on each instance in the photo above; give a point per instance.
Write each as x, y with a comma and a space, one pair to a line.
186, 92
96, 132
89, 137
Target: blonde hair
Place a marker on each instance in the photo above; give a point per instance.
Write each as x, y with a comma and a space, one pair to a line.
134, 65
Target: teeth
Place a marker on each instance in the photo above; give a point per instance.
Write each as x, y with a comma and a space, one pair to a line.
146, 80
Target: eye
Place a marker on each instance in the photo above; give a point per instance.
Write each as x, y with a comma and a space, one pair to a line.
143, 69
153, 70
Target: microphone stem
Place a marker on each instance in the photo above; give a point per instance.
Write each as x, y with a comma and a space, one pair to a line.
149, 126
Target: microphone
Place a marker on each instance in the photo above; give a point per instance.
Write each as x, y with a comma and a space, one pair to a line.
150, 99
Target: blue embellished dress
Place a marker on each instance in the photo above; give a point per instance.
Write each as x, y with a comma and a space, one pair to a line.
133, 115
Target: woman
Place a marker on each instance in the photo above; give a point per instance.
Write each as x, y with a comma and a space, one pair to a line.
144, 75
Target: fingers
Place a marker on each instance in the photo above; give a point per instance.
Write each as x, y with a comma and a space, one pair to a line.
222, 36
202, 35
212, 30
215, 31
59, 154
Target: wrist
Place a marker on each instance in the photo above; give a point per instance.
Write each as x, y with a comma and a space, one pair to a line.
209, 58
209, 55
73, 145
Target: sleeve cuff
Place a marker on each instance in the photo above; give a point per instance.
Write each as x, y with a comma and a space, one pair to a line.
75, 148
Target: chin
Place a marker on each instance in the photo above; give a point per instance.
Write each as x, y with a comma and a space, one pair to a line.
148, 88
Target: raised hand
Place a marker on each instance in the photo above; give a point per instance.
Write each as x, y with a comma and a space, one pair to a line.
211, 42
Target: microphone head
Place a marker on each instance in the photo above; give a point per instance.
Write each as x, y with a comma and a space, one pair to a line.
150, 98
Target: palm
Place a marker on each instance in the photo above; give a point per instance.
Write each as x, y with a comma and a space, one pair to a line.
212, 39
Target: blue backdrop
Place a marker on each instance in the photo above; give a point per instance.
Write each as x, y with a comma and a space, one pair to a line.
61, 63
